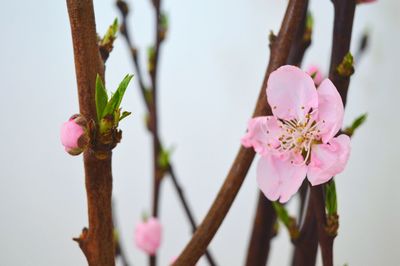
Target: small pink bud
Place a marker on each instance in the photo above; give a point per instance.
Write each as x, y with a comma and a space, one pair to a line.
74, 135
316, 73
148, 235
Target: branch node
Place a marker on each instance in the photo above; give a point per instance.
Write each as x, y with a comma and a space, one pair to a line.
346, 67
82, 237
332, 225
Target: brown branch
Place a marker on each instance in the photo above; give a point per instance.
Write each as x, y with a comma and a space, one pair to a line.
150, 103
206, 231
119, 251
342, 29
317, 199
343, 24
265, 218
187, 210
306, 245
97, 241
263, 232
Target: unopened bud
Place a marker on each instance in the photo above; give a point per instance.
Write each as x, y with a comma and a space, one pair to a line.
74, 135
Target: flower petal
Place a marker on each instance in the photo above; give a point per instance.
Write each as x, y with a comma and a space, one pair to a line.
262, 134
279, 178
328, 160
330, 110
291, 93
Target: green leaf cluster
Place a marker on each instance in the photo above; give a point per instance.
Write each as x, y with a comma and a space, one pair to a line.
110, 107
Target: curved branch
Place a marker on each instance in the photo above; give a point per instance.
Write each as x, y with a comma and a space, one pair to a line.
206, 231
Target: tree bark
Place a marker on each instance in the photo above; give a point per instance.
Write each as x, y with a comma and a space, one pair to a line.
96, 242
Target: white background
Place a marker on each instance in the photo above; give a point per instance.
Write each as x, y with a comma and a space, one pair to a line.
211, 69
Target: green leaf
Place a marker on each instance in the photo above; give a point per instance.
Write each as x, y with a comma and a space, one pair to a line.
111, 33
282, 213
115, 101
116, 235
359, 121
164, 157
330, 197
164, 21
314, 74
124, 114
122, 88
309, 21
101, 97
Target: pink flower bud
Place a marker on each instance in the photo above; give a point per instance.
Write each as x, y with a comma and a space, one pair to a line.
316, 74
148, 235
74, 135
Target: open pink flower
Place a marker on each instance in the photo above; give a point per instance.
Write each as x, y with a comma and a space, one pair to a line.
148, 235
74, 137
316, 73
299, 139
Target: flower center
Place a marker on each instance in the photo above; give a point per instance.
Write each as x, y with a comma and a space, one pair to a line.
298, 136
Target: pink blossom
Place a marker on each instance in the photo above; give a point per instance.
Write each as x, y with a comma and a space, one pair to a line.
315, 72
148, 235
299, 139
73, 135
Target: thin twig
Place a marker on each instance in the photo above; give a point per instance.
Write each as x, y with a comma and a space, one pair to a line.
206, 231
97, 241
119, 251
150, 103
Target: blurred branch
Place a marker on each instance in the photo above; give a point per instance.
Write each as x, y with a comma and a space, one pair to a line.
149, 95
119, 251
362, 47
280, 49
97, 241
